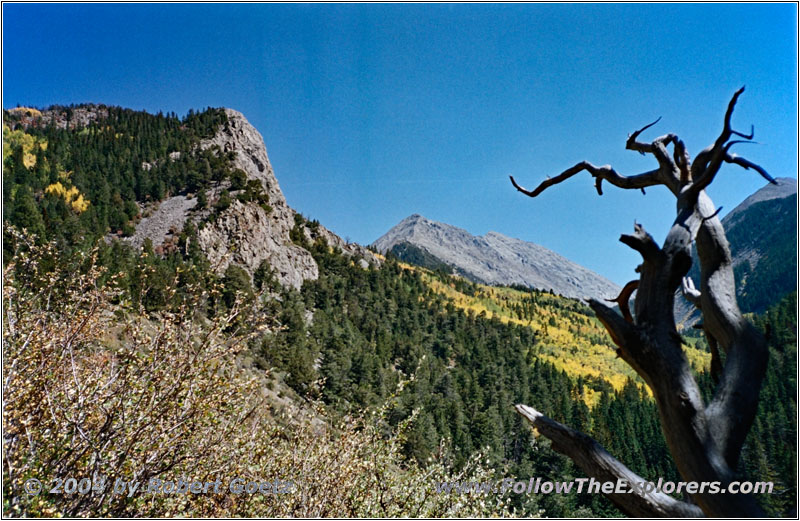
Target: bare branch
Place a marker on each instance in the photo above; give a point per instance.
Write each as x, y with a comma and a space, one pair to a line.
726, 131
707, 163
623, 299
746, 136
682, 161
632, 144
747, 165
596, 462
689, 292
709, 217
602, 173
642, 242
620, 329
705, 442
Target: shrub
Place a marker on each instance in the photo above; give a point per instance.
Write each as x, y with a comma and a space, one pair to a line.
95, 390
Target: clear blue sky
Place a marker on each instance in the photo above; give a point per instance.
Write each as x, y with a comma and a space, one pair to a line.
374, 112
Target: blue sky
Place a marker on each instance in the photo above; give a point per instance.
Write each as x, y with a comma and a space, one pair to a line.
373, 112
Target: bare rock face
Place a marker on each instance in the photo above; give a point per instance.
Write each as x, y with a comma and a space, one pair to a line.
245, 234
167, 216
60, 117
240, 136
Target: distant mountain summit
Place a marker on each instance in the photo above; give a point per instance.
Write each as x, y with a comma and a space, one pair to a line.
491, 259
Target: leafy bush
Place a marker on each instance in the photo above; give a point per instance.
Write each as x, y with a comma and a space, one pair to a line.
93, 390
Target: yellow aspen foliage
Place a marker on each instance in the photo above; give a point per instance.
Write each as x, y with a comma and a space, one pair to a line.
13, 139
72, 196
26, 111
568, 334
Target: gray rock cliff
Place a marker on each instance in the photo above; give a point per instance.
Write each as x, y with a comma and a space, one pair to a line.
245, 233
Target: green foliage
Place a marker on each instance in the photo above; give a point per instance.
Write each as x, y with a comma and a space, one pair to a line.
86, 181
238, 179
224, 201
236, 286
371, 327
264, 278
297, 234
202, 200
411, 254
25, 213
471, 351
92, 395
771, 450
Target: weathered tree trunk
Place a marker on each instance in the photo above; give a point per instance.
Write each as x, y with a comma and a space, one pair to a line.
705, 440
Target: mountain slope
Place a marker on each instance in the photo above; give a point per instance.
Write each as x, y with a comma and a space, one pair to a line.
762, 232
786, 187
495, 258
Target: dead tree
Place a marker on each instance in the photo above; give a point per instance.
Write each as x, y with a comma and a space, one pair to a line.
705, 440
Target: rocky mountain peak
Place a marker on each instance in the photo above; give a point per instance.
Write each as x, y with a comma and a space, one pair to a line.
239, 136
496, 259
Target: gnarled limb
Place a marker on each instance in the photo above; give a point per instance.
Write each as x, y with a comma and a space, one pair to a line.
601, 173
705, 441
707, 164
690, 293
747, 165
623, 299
642, 242
596, 462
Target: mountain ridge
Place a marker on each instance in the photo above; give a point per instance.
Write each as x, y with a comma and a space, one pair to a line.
784, 187
497, 259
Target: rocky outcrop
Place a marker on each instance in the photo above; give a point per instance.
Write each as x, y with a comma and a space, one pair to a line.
497, 259
60, 117
168, 216
239, 136
245, 234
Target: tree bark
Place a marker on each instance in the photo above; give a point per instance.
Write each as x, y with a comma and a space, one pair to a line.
705, 440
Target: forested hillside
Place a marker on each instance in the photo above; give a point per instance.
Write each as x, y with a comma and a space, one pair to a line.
774, 273
386, 378
76, 184
762, 232
471, 361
